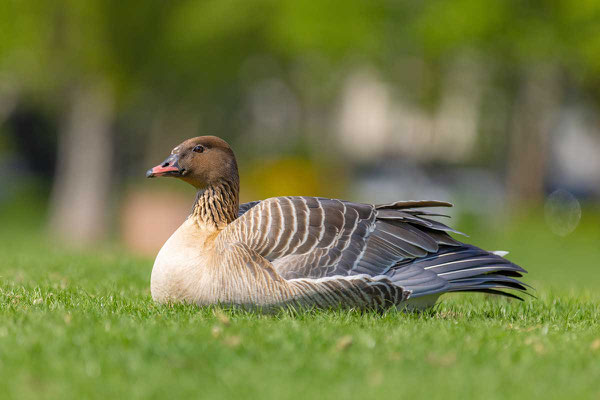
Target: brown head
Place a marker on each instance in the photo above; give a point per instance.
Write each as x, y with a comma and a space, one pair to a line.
202, 161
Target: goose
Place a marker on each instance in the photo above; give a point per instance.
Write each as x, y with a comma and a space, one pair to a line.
310, 252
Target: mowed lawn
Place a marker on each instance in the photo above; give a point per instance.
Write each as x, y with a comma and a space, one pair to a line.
77, 324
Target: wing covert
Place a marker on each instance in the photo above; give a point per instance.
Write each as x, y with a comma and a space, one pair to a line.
311, 237
305, 236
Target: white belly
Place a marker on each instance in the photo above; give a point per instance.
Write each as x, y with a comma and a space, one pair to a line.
178, 270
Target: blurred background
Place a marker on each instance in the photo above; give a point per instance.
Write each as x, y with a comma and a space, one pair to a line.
492, 105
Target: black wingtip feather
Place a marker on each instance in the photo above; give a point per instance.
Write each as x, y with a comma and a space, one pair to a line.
400, 205
470, 269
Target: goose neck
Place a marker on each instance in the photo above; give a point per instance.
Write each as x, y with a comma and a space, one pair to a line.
216, 206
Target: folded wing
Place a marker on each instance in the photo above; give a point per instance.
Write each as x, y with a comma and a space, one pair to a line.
309, 237
312, 238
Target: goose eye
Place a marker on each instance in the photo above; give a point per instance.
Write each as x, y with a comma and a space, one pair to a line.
198, 149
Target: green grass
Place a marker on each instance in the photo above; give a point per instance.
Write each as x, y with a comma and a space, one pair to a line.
79, 324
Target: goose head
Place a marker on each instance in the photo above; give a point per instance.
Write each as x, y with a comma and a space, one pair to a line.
201, 161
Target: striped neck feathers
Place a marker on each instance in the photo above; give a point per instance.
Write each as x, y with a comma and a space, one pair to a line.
217, 205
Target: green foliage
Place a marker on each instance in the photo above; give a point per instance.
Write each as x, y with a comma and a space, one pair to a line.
201, 53
516, 33
334, 28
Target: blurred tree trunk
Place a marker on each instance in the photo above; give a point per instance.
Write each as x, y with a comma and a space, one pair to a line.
82, 182
534, 116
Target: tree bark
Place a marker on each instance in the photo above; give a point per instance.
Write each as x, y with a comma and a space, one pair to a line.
81, 190
534, 117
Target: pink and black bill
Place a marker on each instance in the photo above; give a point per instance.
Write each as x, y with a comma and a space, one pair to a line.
169, 167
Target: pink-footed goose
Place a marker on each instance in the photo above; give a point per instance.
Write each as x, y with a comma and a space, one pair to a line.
310, 251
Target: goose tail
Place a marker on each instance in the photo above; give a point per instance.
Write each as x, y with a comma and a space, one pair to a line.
467, 269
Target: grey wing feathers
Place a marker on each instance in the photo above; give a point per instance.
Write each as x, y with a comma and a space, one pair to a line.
246, 206
459, 269
451, 267
402, 235
307, 237
360, 291
310, 238
400, 205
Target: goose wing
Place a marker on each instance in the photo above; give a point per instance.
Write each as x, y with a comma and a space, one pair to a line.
398, 244
311, 237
